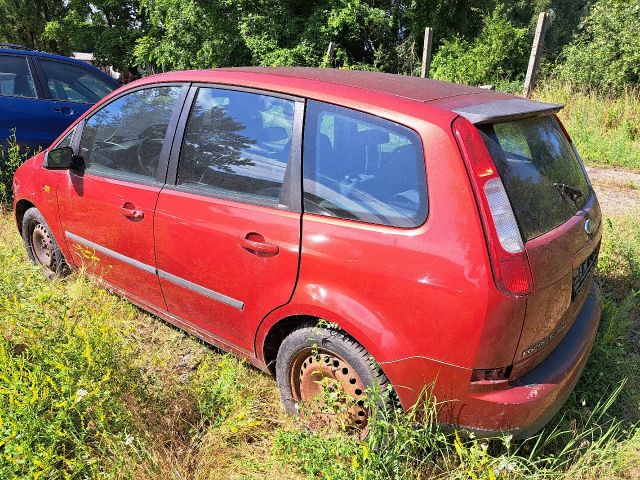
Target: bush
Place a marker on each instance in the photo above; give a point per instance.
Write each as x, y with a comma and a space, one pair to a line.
11, 157
499, 53
605, 56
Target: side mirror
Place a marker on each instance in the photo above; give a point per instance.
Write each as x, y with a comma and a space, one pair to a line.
62, 158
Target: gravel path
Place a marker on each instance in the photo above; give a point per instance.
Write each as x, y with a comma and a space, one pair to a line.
618, 191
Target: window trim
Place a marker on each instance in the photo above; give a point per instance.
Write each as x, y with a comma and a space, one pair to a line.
46, 91
291, 193
421, 155
34, 78
163, 160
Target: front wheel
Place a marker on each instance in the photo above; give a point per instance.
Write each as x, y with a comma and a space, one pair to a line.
324, 375
42, 248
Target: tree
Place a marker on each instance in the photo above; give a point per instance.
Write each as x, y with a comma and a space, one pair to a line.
107, 28
23, 22
605, 56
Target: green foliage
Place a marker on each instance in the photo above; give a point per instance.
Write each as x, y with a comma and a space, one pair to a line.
11, 157
24, 21
107, 28
606, 131
605, 56
498, 53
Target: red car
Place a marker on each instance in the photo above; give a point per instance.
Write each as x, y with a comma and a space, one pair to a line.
339, 229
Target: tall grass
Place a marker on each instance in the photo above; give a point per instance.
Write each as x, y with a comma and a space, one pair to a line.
606, 131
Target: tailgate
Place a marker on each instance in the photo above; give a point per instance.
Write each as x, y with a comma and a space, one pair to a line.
559, 219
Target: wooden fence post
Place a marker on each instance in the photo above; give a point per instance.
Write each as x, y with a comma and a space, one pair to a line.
426, 52
534, 59
330, 54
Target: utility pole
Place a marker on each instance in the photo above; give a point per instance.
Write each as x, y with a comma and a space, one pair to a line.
426, 52
536, 50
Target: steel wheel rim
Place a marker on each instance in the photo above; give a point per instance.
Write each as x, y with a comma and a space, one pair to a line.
42, 246
317, 374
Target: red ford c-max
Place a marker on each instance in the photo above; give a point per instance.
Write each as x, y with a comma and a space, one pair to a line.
441, 234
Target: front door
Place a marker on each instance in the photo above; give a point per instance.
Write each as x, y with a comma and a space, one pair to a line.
228, 229
107, 210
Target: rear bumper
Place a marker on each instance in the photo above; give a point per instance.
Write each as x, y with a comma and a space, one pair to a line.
525, 405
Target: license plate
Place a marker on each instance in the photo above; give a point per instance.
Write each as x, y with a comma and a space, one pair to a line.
583, 273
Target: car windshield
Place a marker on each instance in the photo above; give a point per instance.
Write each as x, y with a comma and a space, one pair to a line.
542, 173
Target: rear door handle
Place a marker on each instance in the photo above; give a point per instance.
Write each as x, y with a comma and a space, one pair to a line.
130, 211
255, 243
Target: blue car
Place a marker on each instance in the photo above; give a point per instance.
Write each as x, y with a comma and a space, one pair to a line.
41, 94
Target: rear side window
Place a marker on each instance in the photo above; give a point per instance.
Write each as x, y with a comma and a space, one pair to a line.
15, 77
237, 144
72, 83
542, 174
360, 167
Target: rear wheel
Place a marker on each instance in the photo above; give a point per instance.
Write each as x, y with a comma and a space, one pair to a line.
323, 376
42, 248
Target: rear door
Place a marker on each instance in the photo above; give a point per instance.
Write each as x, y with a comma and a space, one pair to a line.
227, 224
70, 89
559, 219
107, 210
20, 108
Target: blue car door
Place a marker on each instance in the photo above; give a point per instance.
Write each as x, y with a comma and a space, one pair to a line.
71, 89
20, 108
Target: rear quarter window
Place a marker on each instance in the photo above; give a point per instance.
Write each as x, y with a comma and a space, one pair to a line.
537, 164
360, 167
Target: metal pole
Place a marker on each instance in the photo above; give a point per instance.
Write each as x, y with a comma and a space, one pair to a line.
426, 52
534, 59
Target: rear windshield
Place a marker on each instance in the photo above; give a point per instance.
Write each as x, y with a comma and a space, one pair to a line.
543, 176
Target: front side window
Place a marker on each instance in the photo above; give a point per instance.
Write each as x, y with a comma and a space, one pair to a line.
72, 83
238, 144
360, 167
15, 77
125, 137
66, 141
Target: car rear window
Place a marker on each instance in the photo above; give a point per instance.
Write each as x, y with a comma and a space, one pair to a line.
542, 173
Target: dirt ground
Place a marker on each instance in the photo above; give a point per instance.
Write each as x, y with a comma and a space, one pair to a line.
618, 191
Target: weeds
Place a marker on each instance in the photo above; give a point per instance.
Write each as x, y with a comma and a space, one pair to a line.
606, 131
11, 157
91, 387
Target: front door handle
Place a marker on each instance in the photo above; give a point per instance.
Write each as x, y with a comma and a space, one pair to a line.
130, 211
65, 110
255, 243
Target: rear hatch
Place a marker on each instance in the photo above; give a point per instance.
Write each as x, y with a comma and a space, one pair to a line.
559, 220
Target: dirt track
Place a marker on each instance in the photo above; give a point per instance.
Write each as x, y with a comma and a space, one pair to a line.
618, 191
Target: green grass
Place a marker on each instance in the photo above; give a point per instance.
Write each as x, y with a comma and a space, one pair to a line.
92, 387
606, 131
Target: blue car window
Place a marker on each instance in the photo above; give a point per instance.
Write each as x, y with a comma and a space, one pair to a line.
73, 83
15, 77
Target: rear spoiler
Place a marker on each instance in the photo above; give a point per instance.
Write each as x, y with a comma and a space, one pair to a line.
506, 110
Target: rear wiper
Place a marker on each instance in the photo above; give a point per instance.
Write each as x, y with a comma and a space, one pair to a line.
574, 193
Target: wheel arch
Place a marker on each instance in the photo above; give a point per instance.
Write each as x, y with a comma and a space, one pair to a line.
21, 208
366, 328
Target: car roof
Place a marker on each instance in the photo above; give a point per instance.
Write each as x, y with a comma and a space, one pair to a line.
37, 53
478, 105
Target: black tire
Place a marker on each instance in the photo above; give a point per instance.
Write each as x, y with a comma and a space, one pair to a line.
326, 340
45, 252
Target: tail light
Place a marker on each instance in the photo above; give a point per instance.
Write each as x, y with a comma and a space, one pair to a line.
509, 262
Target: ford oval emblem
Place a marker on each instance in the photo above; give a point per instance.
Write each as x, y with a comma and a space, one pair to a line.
588, 226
